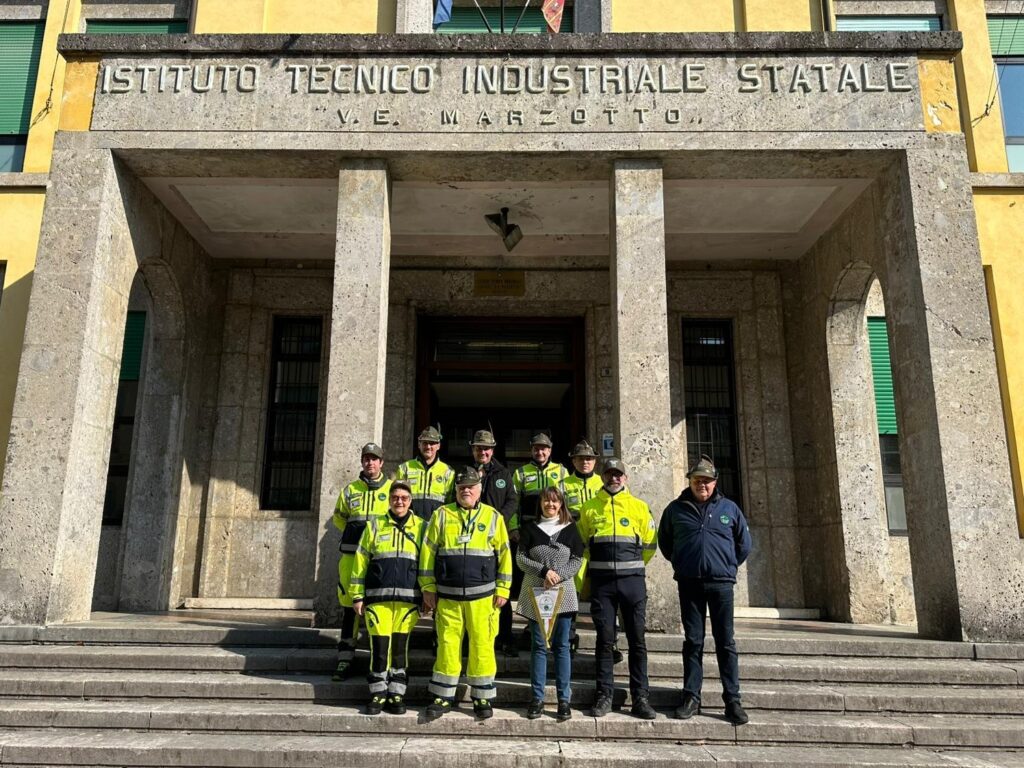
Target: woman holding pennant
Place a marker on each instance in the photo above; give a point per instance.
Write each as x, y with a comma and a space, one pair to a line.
550, 555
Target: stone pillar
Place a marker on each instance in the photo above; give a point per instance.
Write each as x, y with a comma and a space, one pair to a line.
967, 556
643, 422
358, 347
52, 500
414, 17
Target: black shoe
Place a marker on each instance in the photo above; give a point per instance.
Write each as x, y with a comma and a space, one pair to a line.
688, 708
535, 710
735, 713
482, 709
563, 713
395, 704
617, 656
437, 708
642, 708
602, 706
342, 672
376, 704
510, 650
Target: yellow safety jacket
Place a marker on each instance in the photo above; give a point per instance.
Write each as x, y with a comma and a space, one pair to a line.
619, 535
387, 561
580, 490
358, 502
431, 486
529, 480
465, 554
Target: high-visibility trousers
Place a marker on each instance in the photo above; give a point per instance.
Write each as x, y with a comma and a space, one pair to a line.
453, 619
345, 564
390, 625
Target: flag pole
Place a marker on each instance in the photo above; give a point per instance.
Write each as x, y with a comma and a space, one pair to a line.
503, 17
521, 14
484, 17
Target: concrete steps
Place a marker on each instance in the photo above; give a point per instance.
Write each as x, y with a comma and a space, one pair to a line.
149, 695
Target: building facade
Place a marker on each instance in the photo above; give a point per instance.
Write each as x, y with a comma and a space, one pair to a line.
235, 258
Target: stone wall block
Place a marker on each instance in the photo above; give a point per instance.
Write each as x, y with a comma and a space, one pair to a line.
228, 435
787, 557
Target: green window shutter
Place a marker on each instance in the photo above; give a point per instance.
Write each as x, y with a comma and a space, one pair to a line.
881, 369
888, 24
131, 352
136, 27
21, 46
467, 21
1006, 33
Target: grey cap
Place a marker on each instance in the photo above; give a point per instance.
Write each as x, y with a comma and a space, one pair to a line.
467, 476
429, 435
401, 484
541, 439
372, 449
705, 467
613, 463
584, 450
483, 438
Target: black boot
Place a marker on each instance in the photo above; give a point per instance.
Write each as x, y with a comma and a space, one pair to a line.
735, 713
688, 708
642, 708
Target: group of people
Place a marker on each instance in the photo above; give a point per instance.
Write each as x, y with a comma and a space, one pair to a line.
458, 544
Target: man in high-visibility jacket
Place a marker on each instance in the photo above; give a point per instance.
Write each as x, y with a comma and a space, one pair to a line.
364, 498
432, 481
386, 593
532, 478
620, 538
465, 575
582, 484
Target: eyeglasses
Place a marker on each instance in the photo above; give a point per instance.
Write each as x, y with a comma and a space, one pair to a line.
704, 480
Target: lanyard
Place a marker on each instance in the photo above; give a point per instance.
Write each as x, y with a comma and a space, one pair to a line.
467, 526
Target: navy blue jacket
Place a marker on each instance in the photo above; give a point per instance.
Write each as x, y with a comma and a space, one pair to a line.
708, 544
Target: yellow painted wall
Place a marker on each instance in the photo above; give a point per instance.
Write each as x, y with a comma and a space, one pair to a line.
677, 16
782, 15
939, 103
295, 16
21, 212
61, 16
1000, 215
979, 99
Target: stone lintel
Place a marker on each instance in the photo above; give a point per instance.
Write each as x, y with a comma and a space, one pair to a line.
764, 43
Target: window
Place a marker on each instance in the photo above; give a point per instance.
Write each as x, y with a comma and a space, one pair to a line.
888, 24
136, 26
124, 419
468, 20
1006, 33
21, 44
292, 413
708, 383
885, 410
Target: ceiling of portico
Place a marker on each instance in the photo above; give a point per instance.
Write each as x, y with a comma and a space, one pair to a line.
706, 219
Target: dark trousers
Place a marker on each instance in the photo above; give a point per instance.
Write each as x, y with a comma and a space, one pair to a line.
697, 599
609, 595
505, 616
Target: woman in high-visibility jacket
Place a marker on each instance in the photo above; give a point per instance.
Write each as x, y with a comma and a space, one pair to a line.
465, 575
385, 592
359, 502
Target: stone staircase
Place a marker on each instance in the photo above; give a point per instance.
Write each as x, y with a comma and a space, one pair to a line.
226, 691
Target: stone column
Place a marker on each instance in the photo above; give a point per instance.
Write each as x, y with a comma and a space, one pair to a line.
414, 17
967, 556
643, 431
358, 347
54, 483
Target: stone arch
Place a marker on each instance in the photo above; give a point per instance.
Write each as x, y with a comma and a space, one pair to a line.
154, 487
866, 580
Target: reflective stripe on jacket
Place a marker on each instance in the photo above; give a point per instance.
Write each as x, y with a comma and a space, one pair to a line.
387, 561
357, 503
580, 490
431, 486
465, 554
619, 534
529, 480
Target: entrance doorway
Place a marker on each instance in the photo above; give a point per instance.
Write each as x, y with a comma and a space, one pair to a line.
520, 376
